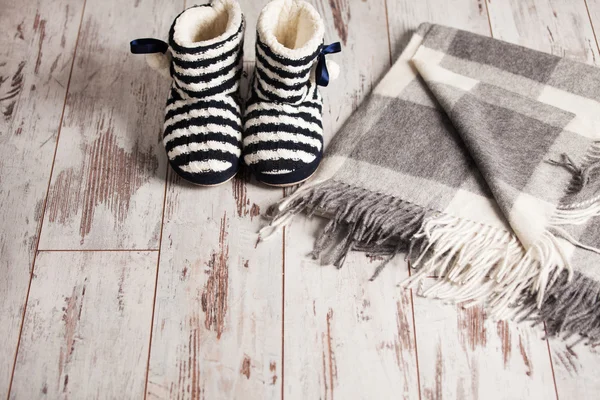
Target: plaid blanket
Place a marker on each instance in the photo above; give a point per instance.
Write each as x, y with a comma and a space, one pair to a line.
481, 160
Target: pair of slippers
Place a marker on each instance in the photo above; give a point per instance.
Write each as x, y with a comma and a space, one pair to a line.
279, 135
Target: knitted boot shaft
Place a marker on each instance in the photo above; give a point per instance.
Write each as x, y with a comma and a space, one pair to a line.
206, 44
202, 130
283, 132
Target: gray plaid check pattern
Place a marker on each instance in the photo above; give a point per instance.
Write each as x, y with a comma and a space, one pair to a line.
482, 160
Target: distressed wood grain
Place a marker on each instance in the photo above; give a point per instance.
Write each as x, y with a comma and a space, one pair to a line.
227, 323
593, 8
36, 52
575, 370
86, 330
558, 27
405, 16
217, 327
462, 355
346, 337
361, 29
107, 187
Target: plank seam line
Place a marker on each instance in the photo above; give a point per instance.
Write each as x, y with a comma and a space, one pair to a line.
162, 225
487, 11
387, 23
412, 307
283, 311
551, 362
587, 8
39, 235
95, 250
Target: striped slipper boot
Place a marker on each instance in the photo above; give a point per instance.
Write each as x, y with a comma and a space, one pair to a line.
283, 132
202, 129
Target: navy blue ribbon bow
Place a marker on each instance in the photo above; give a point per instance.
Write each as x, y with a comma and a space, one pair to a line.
322, 74
148, 46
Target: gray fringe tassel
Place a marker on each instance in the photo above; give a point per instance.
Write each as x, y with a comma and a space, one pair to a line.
359, 220
581, 174
569, 309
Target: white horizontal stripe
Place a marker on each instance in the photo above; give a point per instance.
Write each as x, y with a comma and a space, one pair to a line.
278, 136
586, 122
284, 119
206, 166
285, 108
280, 154
204, 112
393, 86
284, 81
290, 68
262, 95
204, 146
265, 94
214, 67
277, 172
210, 53
182, 103
198, 130
199, 87
280, 91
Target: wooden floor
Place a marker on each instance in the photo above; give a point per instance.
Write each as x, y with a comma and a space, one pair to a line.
118, 280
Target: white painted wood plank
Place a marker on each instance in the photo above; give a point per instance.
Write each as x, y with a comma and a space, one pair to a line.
107, 187
37, 41
575, 370
405, 16
558, 27
217, 325
464, 356
251, 10
346, 337
87, 326
562, 28
593, 8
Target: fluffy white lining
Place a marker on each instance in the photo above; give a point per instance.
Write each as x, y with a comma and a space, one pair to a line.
208, 25
291, 28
